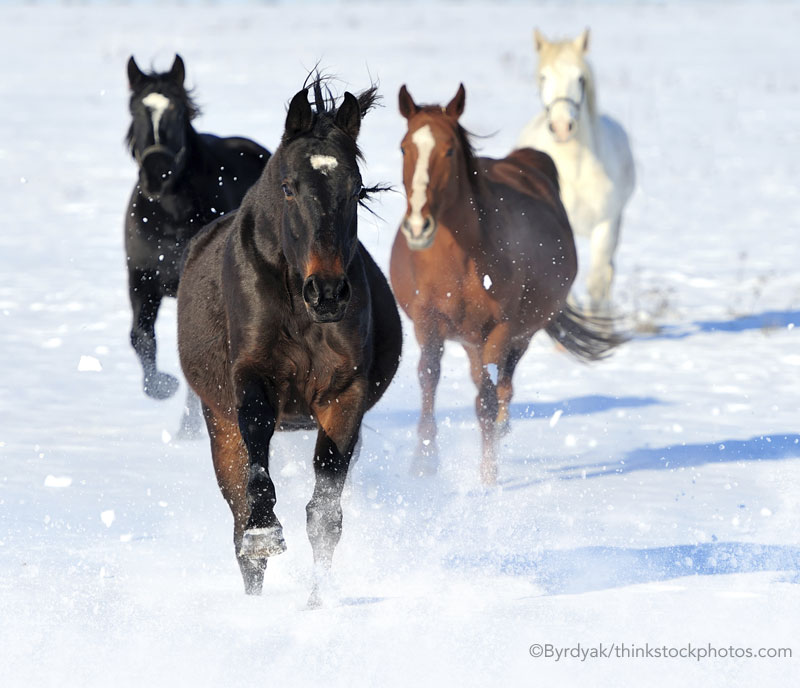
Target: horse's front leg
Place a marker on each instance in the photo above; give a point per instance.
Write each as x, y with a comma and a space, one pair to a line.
505, 387
340, 422
263, 534
487, 363
144, 290
426, 458
603, 244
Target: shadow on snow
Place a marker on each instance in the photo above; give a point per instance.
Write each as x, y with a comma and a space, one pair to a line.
768, 320
587, 569
578, 406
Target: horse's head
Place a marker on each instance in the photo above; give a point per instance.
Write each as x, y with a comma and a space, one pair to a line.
436, 163
315, 172
565, 83
161, 110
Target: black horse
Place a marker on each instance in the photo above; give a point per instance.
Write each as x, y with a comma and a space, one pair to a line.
285, 322
186, 179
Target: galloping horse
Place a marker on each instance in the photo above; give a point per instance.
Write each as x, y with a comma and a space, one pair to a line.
186, 180
484, 256
286, 322
591, 153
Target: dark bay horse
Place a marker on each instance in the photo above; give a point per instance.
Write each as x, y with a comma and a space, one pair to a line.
484, 256
286, 322
186, 179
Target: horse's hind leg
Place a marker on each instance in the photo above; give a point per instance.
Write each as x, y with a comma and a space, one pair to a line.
231, 467
601, 269
191, 420
145, 294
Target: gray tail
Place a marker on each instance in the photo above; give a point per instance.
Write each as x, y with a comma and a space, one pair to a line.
587, 337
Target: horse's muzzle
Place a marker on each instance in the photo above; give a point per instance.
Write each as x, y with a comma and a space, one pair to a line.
326, 298
157, 166
419, 238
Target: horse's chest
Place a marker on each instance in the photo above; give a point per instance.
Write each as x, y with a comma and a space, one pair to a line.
309, 373
460, 301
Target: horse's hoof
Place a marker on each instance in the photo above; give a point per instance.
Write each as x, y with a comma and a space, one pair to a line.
160, 385
503, 428
190, 430
262, 543
489, 475
424, 466
315, 598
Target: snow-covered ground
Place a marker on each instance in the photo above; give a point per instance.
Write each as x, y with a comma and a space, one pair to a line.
652, 498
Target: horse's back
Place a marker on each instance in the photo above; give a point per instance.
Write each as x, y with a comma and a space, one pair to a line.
529, 171
244, 155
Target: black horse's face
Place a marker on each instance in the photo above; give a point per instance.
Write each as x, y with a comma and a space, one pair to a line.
158, 134
321, 186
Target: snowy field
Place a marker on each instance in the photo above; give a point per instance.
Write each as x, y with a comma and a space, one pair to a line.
652, 498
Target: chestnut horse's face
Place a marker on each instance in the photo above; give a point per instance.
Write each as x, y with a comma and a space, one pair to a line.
432, 163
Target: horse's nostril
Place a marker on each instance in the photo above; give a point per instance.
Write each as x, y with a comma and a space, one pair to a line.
551, 127
311, 291
571, 126
426, 225
343, 290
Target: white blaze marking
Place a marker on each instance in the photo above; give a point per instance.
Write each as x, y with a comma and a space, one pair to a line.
424, 141
156, 103
323, 163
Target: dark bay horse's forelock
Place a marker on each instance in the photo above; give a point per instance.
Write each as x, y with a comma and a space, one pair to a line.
484, 256
186, 179
285, 322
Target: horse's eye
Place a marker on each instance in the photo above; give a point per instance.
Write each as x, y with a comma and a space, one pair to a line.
402, 150
582, 81
449, 152
287, 191
360, 192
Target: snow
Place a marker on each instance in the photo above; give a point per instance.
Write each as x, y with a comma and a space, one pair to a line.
651, 498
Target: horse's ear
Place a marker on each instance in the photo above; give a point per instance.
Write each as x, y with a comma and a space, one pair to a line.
581, 43
408, 108
299, 118
539, 40
178, 71
135, 75
348, 116
456, 106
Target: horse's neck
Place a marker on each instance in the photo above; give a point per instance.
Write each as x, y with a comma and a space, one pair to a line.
463, 218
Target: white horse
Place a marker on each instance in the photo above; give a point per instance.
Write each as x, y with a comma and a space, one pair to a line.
591, 152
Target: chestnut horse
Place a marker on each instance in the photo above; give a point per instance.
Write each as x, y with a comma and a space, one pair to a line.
286, 322
484, 256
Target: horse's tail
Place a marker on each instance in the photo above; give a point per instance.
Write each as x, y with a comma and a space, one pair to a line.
587, 337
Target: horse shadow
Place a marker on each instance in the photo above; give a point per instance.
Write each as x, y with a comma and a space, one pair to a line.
589, 569
758, 448
768, 320
577, 406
